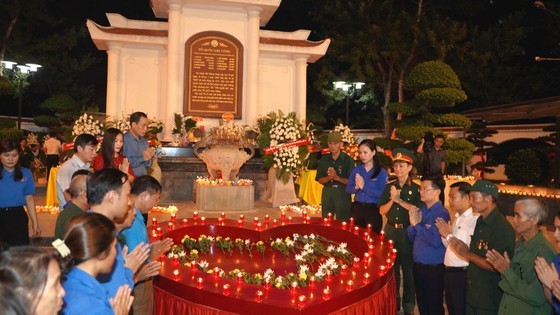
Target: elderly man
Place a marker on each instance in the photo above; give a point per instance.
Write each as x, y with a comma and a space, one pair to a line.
455, 278
492, 231
428, 250
523, 292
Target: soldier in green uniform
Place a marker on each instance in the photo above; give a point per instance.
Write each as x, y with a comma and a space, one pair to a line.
399, 197
333, 172
492, 232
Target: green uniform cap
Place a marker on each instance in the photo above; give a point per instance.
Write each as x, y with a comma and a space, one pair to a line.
485, 187
403, 154
335, 136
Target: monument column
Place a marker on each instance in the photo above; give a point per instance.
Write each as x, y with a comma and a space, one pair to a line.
252, 86
113, 105
174, 82
301, 87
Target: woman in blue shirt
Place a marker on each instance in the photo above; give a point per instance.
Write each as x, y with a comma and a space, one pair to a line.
16, 190
91, 240
367, 182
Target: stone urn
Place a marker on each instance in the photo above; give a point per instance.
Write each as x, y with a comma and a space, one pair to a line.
227, 158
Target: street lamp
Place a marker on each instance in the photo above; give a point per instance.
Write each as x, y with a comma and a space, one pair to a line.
348, 88
19, 76
540, 5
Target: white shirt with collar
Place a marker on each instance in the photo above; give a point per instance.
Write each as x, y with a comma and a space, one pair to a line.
463, 229
64, 176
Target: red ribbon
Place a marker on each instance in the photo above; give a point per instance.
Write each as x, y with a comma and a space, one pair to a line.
287, 145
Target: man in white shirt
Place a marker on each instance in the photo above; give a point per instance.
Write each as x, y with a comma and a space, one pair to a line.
52, 149
85, 148
455, 278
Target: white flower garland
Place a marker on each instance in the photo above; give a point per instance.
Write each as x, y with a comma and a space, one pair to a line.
347, 135
284, 130
87, 124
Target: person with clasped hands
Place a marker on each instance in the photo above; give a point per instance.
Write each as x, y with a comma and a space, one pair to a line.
549, 273
492, 232
455, 277
523, 293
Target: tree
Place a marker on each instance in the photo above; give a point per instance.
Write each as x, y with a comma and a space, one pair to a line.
477, 134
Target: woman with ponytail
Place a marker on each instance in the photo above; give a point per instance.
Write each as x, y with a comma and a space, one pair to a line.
90, 243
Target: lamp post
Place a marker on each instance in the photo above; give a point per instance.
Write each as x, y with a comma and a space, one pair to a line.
349, 88
19, 76
540, 5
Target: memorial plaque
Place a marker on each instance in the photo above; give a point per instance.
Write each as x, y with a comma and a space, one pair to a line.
213, 75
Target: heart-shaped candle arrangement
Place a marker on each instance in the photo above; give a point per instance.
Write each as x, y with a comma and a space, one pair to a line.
287, 266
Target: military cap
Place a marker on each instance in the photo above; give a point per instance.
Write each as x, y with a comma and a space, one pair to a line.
485, 187
404, 155
335, 136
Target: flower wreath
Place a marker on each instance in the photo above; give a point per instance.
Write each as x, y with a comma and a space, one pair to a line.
315, 256
351, 145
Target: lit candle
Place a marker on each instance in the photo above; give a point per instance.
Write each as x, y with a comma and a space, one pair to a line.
312, 281
170, 226
173, 217
343, 269
344, 225
369, 228
382, 234
356, 262
260, 295
366, 235
366, 259
240, 222
185, 221
382, 269
256, 220
220, 221
349, 285
216, 272
356, 230
159, 232
154, 221
289, 219
329, 216
293, 287
366, 277
389, 262
329, 275
176, 275
175, 259
304, 214
370, 249
283, 215
390, 243
274, 222
301, 300
351, 221
266, 219
242, 218
203, 220
326, 221
195, 215
193, 266
199, 282
267, 283
326, 293
223, 216
259, 226
239, 277
226, 289
394, 252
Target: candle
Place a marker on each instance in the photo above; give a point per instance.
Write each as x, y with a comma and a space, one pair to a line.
390, 243
175, 259
154, 221
349, 285
351, 221
369, 228
366, 235
329, 216
389, 262
356, 230
312, 281
344, 225
242, 218
239, 277
173, 217
239, 222
176, 275
220, 221
226, 289
274, 222
267, 283
223, 216
293, 287
326, 293
381, 270
259, 226
304, 214
256, 220
185, 221
326, 221
170, 226
370, 249
203, 220
289, 219
329, 275
216, 272
366, 277
301, 300
266, 219
356, 262
260, 296
394, 252
343, 269
283, 215
159, 232
199, 282
366, 259
193, 266
382, 234
195, 215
